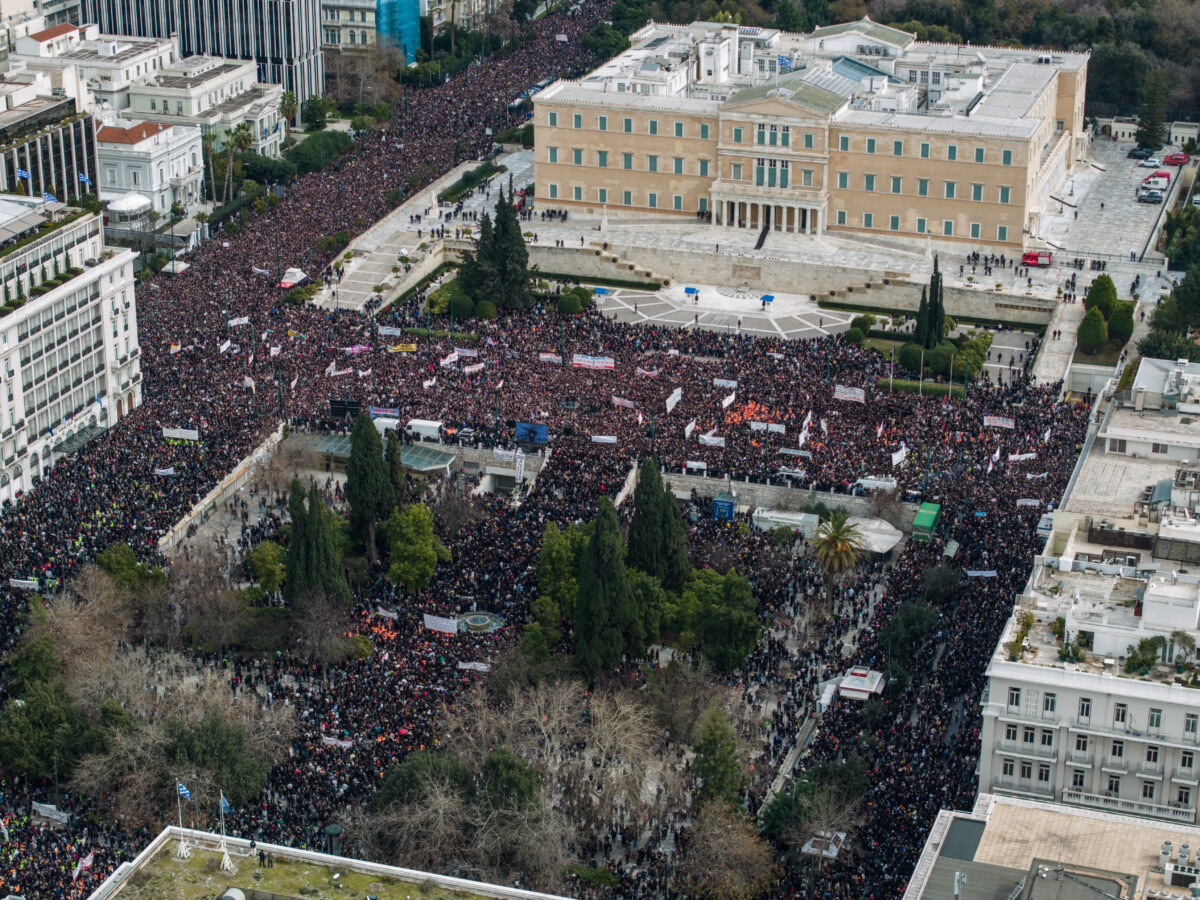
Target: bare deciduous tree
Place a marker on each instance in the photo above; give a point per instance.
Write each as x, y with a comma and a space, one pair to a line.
725, 859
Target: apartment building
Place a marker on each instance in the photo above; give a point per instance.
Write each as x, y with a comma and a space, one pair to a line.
68, 337
854, 128
45, 135
163, 163
281, 37
347, 24
109, 64
214, 94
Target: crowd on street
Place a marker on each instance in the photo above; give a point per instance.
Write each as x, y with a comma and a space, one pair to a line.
815, 414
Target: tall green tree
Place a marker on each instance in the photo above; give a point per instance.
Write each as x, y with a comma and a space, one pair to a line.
1101, 295
787, 17
717, 762
325, 549
606, 616
727, 625
1093, 333
921, 329
645, 529
368, 486
416, 549
477, 273
299, 568
1151, 128
838, 546
676, 565
395, 468
511, 258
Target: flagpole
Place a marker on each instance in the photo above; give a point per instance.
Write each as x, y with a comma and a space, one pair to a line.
182, 852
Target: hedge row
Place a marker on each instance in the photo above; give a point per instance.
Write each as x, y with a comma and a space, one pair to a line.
931, 388
961, 320
424, 282
603, 282
221, 213
457, 335
469, 180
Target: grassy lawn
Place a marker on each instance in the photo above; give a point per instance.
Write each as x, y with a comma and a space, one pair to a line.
200, 878
885, 346
1106, 356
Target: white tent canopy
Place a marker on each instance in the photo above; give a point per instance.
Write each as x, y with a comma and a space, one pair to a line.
877, 535
293, 277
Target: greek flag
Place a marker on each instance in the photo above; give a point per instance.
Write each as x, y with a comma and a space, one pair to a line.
225, 807
49, 198
21, 173
84, 179
183, 791
785, 64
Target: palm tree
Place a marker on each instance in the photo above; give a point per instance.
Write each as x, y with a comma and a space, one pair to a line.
838, 546
177, 215
240, 139
287, 110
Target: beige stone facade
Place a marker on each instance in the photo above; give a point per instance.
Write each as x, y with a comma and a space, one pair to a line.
831, 142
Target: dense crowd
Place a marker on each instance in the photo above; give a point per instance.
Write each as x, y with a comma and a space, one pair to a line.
392, 702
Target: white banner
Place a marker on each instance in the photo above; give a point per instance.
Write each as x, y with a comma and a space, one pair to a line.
604, 438
857, 395
696, 464
1029, 501
334, 742
621, 401
758, 426
225, 346
776, 429
170, 470
728, 401
725, 383
275, 351
520, 461
248, 382
1036, 477
444, 624
998, 422
181, 434
24, 584
687, 432
711, 441
387, 613
899, 456
1018, 457
647, 373
429, 383
390, 331
449, 360
475, 666
241, 320
676, 396
472, 354
49, 811
550, 357
981, 573
504, 456
471, 370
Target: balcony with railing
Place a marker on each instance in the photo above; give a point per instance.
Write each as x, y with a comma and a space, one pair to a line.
1023, 786
1185, 776
1150, 770
1172, 813
1076, 758
1117, 764
1031, 751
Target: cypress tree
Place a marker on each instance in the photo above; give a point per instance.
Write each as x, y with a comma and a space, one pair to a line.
937, 319
645, 531
511, 257
325, 561
606, 616
921, 332
368, 487
676, 565
477, 273
296, 583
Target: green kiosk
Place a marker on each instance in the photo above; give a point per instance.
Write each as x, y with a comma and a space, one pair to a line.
926, 521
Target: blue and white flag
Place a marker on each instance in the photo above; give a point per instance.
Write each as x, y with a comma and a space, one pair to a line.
84, 179
183, 790
49, 198
225, 807
785, 64
21, 173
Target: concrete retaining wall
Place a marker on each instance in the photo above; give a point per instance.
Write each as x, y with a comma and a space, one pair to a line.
219, 494
751, 496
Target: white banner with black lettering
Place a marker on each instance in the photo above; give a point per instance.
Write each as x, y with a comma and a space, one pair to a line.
728, 401
687, 432
999, 422
674, 398
181, 434
725, 383
387, 613
334, 742
475, 666
444, 624
857, 395
49, 811
24, 584
711, 441
169, 470
604, 438
1020, 457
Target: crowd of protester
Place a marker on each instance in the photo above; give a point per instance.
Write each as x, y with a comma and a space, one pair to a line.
290, 361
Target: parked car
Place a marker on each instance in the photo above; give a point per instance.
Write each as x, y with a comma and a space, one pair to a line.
1139, 153
1176, 159
1150, 163
1150, 197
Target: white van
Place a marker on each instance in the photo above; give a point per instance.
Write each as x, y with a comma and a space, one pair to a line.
424, 430
383, 426
1156, 182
